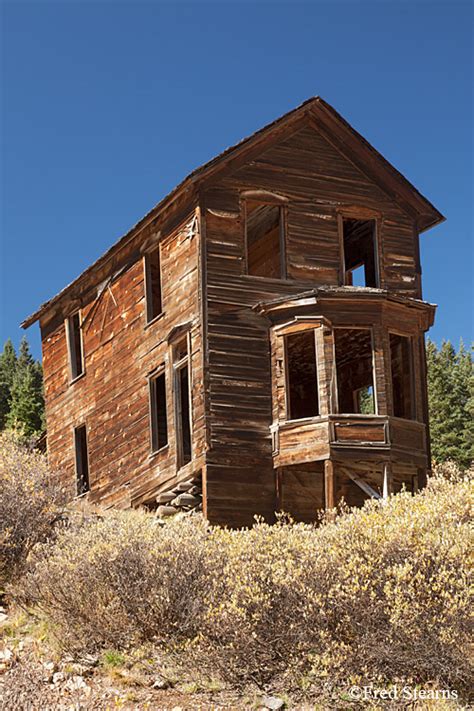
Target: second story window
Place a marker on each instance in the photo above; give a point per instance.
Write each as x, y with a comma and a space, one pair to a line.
153, 296
158, 412
359, 240
75, 345
265, 239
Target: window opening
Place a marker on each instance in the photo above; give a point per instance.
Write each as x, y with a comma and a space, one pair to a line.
360, 260
401, 358
159, 422
302, 380
153, 284
76, 355
183, 395
354, 366
82, 459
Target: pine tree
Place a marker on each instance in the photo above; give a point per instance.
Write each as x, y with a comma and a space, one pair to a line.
26, 412
8, 363
25, 358
450, 403
465, 392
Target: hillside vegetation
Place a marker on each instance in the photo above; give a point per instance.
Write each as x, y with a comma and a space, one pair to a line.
380, 595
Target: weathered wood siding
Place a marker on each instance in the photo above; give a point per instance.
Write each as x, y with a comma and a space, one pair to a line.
112, 397
318, 182
301, 489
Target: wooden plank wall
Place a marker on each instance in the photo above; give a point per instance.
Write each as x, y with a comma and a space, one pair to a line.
347, 489
317, 181
231, 373
302, 491
112, 397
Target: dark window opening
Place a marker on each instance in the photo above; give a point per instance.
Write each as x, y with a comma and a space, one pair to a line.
153, 284
302, 380
402, 376
82, 459
180, 350
265, 240
183, 409
75, 345
184, 419
360, 254
159, 422
354, 366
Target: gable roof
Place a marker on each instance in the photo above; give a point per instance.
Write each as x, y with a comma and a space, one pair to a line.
326, 120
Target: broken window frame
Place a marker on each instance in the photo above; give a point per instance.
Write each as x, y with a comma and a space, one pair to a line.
156, 447
81, 459
336, 376
150, 315
281, 204
285, 336
413, 375
76, 361
179, 364
362, 214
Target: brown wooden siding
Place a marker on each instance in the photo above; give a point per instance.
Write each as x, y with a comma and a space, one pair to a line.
112, 398
317, 181
237, 374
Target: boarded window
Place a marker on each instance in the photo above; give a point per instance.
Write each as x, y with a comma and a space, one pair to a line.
76, 355
355, 383
82, 459
360, 254
302, 381
183, 395
159, 421
264, 239
154, 304
401, 359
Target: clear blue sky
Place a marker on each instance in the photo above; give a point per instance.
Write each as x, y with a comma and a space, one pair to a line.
107, 105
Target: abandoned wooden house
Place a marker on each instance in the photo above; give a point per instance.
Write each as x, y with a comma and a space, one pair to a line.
256, 341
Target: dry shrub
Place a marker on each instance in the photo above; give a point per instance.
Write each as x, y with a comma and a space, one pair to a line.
30, 502
123, 579
381, 594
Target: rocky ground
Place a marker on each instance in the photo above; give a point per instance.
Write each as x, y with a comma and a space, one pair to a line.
35, 677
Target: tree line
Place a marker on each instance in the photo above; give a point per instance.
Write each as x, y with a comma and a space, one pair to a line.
21, 391
451, 403
450, 398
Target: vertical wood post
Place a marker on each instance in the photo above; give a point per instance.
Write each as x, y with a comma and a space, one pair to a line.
382, 376
329, 488
424, 402
387, 480
323, 370
421, 475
